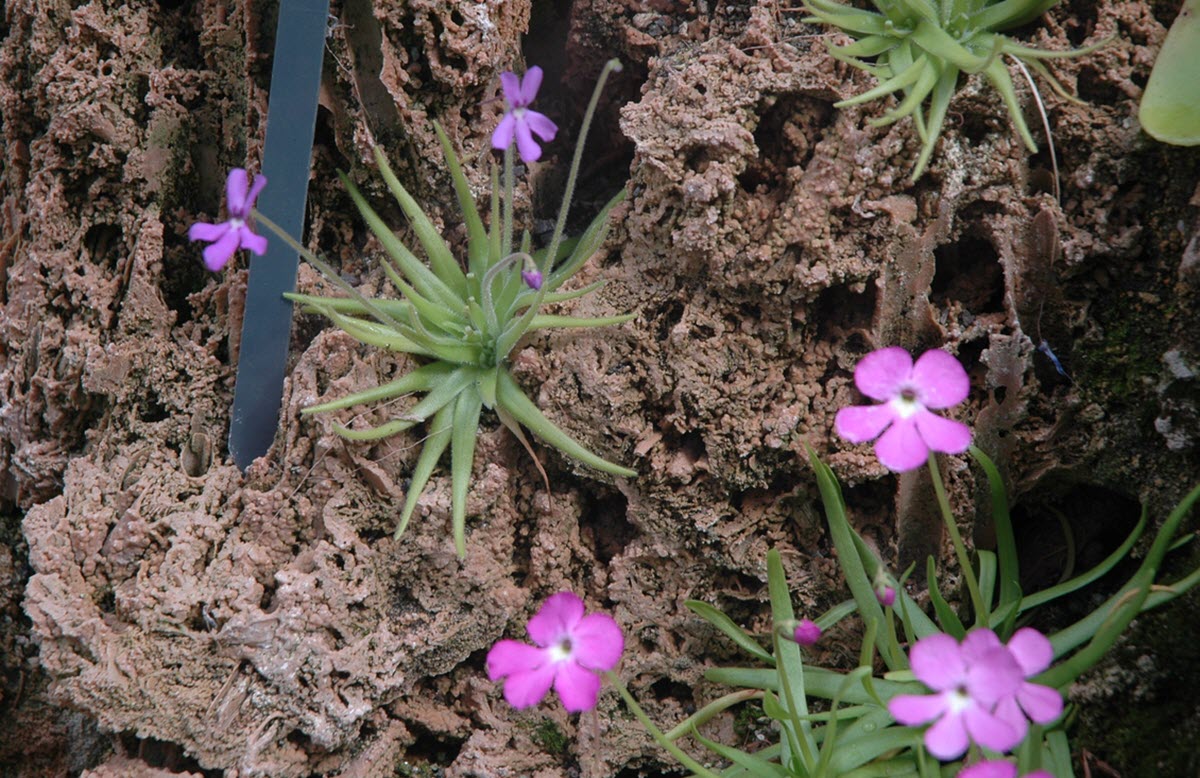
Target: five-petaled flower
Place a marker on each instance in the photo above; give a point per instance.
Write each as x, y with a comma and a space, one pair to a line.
1042, 704
906, 393
234, 233
968, 681
570, 649
519, 121
998, 768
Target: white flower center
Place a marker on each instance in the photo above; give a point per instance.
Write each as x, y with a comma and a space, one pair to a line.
905, 403
236, 223
957, 701
561, 650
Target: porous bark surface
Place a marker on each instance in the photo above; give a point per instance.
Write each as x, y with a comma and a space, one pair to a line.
165, 614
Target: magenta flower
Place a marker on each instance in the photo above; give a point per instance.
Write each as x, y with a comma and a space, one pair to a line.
1042, 704
570, 648
885, 594
998, 768
807, 632
234, 233
519, 121
968, 681
907, 392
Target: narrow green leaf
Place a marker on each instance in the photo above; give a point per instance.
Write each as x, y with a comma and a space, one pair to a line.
789, 664
421, 276
462, 457
1006, 544
754, 765
441, 259
477, 238
945, 614
546, 321
510, 397
731, 630
422, 379
440, 430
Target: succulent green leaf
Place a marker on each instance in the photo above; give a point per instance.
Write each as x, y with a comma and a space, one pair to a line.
440, 431
462, 456
510, 397
1170, 107
421, 379
546, 321
441, 259
477, 238
422, 277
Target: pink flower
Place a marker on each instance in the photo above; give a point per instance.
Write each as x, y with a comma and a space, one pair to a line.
968, 681
998, 769
570, 648
519, 121
807, 632
233, 234
907, 392
885, 594
1042, 704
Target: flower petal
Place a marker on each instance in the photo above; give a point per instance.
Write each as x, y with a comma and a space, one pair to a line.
577, 687
901, 448
1008, 711
860, 423
206, 231
512, 89
937, 662
541, 125
1043, 704
597, 642
945, 435
994, 769
947, 739
556, 620
236, 184
217, 254
940, 380
527, 688
249, 239
527, 147
993, 677
259, 182
880, 374
530, 84
978, 643
991, 731
510, 656
1032, 650
502, 136
912, 710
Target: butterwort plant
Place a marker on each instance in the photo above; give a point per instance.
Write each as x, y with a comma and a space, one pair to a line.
920, 48
933, 694
461, 320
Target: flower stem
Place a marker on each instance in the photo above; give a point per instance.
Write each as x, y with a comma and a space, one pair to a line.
569, 191
383, 316
507, 239
981, 609
655, 732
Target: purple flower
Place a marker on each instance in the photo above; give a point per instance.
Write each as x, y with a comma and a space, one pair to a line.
570, 647
519, 121
807, 632
1042, 704
885, 594
968, 681
907, 392
233, 234
998, 769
